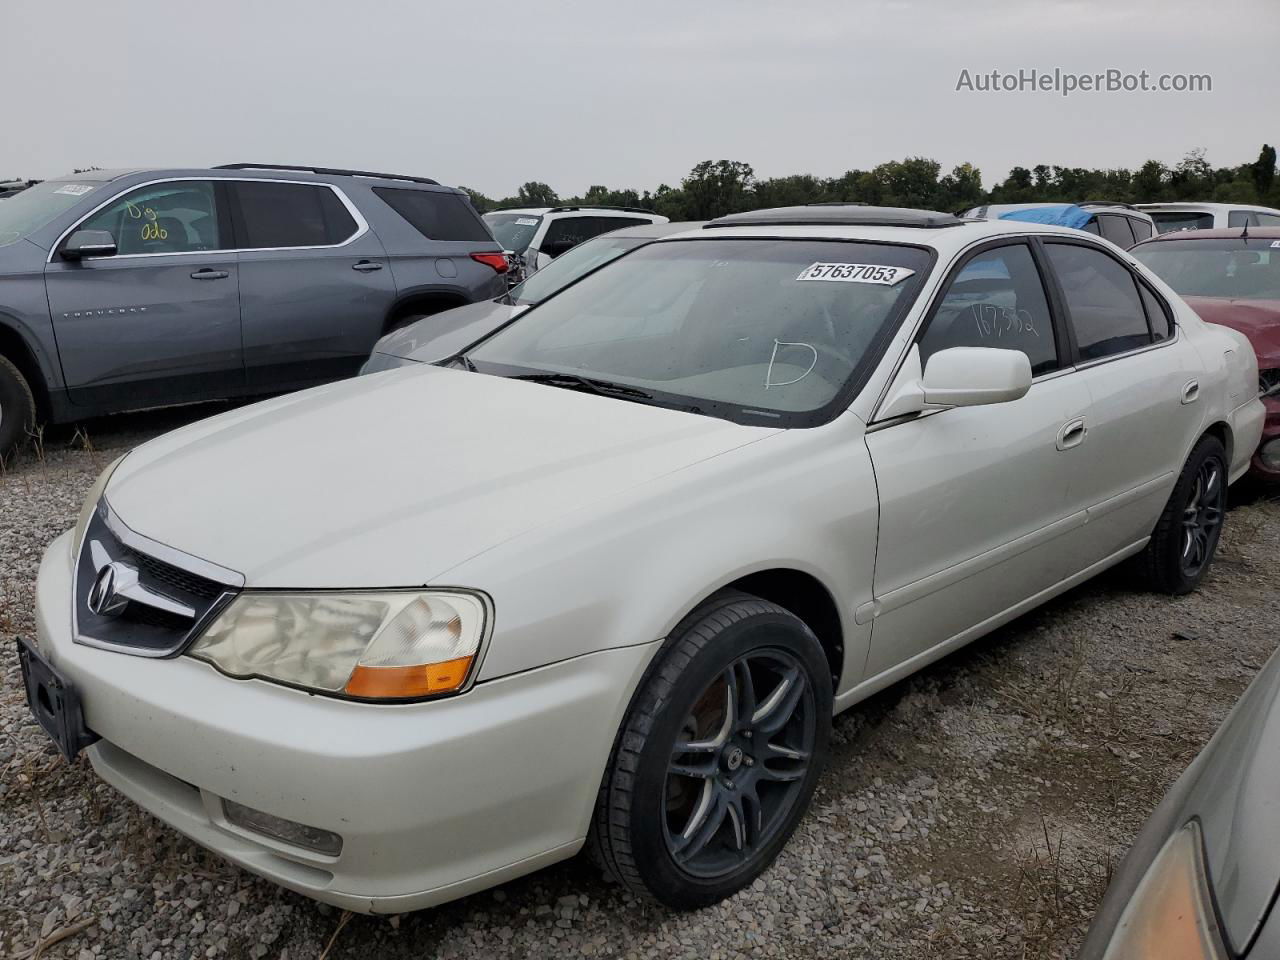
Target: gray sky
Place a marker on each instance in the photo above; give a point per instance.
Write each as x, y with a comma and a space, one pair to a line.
492, 94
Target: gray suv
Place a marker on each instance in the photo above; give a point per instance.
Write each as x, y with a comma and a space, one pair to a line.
128, 289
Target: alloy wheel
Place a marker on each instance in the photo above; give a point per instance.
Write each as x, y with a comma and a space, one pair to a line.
738, 763
1202, 517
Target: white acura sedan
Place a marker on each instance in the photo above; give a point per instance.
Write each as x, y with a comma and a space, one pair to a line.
604, 577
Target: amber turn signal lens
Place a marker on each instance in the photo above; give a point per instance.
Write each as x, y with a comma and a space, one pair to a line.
387, 683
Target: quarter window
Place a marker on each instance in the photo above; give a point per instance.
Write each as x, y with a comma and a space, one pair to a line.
996, 300
436, 215
176, 217
1102, 300
273, 215
1158, 315
1141, 229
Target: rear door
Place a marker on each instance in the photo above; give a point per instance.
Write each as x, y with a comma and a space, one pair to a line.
974, 501
1144, 409
159, 322
1115, 227
314, 284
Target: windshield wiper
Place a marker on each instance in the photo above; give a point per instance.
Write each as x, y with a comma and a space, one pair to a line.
573, 381
458, 360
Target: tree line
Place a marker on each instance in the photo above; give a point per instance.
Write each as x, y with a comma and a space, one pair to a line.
716, 187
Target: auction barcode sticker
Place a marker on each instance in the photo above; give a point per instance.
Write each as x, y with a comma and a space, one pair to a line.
855, 273
75, 189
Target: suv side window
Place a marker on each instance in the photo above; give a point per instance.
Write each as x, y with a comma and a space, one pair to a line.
1091, 226
1102, 300
1141, 229
176, 217
996, 300
270, 215
1116, 229
437, 216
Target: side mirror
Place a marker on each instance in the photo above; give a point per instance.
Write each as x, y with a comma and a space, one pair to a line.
975, 376
89, 243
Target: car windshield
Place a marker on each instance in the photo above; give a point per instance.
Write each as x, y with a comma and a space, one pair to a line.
25, 212
753, 330
568, 267
1229, 268
513, 230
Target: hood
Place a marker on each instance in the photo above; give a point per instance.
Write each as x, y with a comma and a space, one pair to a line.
1259, 320
444, 334
391, 480
1238, 801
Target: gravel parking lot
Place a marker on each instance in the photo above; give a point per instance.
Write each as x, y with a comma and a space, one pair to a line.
975, 810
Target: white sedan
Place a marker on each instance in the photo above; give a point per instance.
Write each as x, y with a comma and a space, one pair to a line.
605, 577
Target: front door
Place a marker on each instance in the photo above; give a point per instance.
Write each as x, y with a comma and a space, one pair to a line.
159, 322
973, 500
315, 285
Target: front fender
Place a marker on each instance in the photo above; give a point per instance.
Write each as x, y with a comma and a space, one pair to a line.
624, 571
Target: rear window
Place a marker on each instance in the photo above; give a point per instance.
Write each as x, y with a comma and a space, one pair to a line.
1166, 222
1227, 267
272, 215
437, 216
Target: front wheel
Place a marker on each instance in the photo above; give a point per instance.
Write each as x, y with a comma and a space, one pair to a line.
719, 755
1186, 536
17, 407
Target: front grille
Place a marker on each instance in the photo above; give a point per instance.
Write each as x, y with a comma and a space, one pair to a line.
128, 599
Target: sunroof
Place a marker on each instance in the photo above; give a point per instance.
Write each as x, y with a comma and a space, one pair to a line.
839, 214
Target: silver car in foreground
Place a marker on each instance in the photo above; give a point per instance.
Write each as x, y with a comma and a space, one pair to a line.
1201, 880
606, 576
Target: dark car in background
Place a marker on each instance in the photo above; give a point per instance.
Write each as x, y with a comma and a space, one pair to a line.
121, 290
440, 336
1201, 879
1232, 277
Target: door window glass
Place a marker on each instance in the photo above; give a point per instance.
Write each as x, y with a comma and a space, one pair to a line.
1157, 314
996, 300
271, 215
1116, 229
568, 232
1102, 300
1141, 229
177, 217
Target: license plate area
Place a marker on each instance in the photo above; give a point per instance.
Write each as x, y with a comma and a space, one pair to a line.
53, 701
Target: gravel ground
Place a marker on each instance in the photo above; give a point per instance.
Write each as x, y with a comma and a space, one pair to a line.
975, 810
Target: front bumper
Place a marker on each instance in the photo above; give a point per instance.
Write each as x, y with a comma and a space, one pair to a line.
433, 800
1270, 435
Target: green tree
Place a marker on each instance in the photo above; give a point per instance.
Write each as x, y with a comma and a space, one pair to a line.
478, 200
1149, 182
536, 194
713, 189
1264, 170
960, 189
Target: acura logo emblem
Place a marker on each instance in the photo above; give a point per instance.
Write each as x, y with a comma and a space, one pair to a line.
103, 598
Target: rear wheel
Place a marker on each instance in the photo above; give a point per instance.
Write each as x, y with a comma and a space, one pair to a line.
719, 756
17, 407
1186, 536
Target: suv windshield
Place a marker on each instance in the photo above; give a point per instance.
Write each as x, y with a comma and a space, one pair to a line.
568, 267
513, 230
1230, 268
753, 330
31, 209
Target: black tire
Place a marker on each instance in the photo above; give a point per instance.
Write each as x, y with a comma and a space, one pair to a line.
760, 786
17, 407
1186, 536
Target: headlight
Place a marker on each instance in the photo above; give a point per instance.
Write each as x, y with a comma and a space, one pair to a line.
378, 362
1170, 916
86, 510
391, 645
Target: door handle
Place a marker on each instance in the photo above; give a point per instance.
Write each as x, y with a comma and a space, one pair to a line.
1191, 391
1072, 434
366, 266
209, 274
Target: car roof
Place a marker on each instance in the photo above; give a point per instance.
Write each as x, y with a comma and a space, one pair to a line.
1189, 205
1218, 233
240, 171
1093, 206
843, 214
95, 176
578, 208
946, 241
655, 231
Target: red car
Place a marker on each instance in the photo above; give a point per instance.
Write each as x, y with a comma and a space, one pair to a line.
1232, 277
